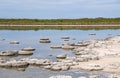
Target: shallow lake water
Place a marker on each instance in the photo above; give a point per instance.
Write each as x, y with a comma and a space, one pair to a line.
31, 38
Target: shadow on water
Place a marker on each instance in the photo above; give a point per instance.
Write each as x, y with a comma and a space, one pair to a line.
36, 28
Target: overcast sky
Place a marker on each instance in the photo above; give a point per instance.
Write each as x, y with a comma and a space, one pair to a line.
54, 9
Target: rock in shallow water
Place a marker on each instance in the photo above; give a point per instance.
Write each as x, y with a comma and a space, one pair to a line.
55, 47
68, 47
65, 37
61, 56
28, 49
14, 42
25, 52
44, 40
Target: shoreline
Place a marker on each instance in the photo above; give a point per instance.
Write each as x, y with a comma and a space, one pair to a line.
100, 25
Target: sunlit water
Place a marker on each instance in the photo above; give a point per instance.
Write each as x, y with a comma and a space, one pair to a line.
31, 38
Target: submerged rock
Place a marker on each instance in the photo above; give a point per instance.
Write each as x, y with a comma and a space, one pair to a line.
14, 42
2, 39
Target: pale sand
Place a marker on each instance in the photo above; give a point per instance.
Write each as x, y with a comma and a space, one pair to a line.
109, 57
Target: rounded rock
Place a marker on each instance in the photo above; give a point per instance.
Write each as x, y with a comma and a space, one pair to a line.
45, 41
62, 56
65, 37
55, 47
28, 49
25, 52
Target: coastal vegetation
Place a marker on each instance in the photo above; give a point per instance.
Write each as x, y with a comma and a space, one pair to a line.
58, 28
82, 21
19, 24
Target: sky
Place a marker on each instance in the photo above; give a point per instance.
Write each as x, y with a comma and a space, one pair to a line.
59, 9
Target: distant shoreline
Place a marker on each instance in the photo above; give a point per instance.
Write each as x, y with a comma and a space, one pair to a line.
107, 25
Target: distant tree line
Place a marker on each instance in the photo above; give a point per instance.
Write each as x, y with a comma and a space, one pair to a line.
82, 21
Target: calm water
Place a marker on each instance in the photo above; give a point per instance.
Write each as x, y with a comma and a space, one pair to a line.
31, 38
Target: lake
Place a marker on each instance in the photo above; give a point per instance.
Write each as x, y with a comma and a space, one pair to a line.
43, 50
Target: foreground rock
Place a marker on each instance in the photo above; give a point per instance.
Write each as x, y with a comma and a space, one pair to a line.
13, 63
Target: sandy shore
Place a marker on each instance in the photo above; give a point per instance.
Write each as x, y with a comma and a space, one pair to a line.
108, 52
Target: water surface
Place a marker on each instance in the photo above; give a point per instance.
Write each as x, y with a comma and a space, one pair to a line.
31, 38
